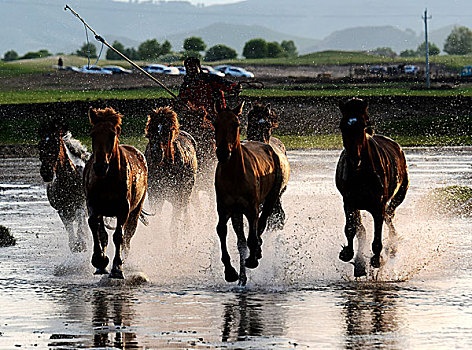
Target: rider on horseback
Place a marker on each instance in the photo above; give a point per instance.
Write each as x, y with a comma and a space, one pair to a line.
204, 89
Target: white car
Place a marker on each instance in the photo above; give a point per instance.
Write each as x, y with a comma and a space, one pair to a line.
410, 69
161, 69
238, 72
211, 70
94, 70
221, 68
118, 70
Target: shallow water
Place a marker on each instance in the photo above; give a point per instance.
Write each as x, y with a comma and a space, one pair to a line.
300, 296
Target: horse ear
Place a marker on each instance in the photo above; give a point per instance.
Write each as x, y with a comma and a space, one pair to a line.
239, 108
268, 107
218, 107
92, 114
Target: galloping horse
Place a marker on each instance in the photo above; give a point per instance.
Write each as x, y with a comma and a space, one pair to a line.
115, 180
172, 160
371, 175
247, 175
261, 120
62, 163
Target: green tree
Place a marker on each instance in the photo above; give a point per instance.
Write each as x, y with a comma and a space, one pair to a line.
433, 50
409, 53
166, 48
10, 56
255, 48
274, 50
194, 43
149, 49
384, 51
112, 55
289, 47
220, 52
87, 50
131, 53
36, 54
459, 42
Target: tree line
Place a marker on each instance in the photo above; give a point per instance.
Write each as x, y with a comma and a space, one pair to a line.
459, 42
193, 46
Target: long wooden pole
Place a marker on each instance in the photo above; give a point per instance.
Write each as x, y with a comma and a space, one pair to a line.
102, 40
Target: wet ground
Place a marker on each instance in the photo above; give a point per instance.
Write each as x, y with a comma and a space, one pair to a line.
300, 296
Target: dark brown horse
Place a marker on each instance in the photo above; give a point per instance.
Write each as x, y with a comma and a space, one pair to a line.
115, 182
172, 161
62, 163
262, 119
371, 175
248, 175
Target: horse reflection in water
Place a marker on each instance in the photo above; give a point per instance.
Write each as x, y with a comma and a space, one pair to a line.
62, 163
261, 121
172, 162
371, 175
115, 181
248, 175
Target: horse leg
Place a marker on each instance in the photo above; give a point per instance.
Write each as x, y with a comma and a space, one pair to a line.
81, 229
230, 273
359, 262
277, 218
253, 239
99, 258
394, 203
347, 253
238, 226
67, 219
131, 225
379, 217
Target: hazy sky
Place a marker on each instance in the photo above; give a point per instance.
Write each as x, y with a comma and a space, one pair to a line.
205, 2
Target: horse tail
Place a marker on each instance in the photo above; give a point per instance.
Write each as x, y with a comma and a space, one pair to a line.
143, 217
190, 137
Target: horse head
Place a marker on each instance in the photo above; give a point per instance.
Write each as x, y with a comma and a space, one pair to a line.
106, 130
353, 125
50, 133
261, 120
227, 130
162, 129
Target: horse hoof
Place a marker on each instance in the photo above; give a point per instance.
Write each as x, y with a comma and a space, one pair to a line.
346, 254
116, 273
100, 261
251, 263
375, 261
102, 271
231, 275
359, 270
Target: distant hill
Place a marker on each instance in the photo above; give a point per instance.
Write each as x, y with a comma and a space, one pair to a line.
30, 25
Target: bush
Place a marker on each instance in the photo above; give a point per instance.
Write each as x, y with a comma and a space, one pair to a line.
10, 56
220, 52
255, 48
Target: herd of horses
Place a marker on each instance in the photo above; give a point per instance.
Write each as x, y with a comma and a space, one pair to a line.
187, 153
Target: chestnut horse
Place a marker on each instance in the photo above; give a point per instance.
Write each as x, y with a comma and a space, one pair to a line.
172, 161
260, 122
62, 163
115, 181
371, 175
248, 175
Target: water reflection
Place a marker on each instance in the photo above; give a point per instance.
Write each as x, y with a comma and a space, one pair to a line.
247, 316
111, 320
371, 317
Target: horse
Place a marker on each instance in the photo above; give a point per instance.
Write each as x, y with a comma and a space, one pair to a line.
261, 120
247, 176
371, 175
62, 163
115, 180
172, 160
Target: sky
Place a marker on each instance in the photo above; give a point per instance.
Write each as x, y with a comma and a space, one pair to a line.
204, 2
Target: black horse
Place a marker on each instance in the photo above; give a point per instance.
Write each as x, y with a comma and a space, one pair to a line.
62, 163
371, 175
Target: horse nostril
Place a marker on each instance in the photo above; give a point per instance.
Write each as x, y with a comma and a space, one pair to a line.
100, 168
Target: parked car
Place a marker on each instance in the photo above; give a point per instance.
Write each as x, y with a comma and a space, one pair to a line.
211, 70
377, 70
410, 69
182, 70
161, 69
118, 70
466, 71
221, 68
238, 72
95, 70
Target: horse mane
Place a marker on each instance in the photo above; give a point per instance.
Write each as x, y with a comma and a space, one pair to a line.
108, 114
165, 116
76, 147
